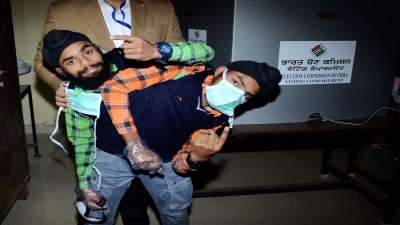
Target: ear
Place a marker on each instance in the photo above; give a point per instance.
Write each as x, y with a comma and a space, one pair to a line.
60, 71
219, 70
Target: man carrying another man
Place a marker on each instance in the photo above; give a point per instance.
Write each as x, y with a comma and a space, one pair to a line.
166, 116
152, 20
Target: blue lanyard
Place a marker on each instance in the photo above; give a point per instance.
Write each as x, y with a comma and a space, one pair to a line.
123, 16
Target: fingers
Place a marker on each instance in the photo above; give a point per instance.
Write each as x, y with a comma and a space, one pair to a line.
61, 97
144, 159
179, 163
180, 167
62, 102
212, 141
61, 90
221, 141
93, 205
209, 139
129, 41
93, 199
137, 48
205, 137
122, 38
133, 53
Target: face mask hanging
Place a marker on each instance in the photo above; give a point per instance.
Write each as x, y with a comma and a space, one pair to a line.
80, 101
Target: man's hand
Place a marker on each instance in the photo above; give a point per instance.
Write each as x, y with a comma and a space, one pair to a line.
206, 144
137, 48
200, 148
143, 158
179, 161
61, 97
92, 199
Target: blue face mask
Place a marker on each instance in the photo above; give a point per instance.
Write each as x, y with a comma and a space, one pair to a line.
224, 96
85, 102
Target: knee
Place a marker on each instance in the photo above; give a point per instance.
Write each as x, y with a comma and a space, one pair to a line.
177, 217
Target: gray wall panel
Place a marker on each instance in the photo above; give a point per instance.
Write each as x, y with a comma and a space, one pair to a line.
214, 16
260, 25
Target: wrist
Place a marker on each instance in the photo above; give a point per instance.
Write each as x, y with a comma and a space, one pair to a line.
133, 145
86, 190
131, 148
193, 163
83, 185
194, 157
156, 52
131, 137
164, 50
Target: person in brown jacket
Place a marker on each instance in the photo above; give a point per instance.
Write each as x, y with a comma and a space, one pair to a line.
152, 20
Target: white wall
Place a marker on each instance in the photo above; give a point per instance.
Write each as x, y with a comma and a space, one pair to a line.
28, 19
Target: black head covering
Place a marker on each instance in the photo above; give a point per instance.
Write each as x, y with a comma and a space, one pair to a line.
266, 76
54, 43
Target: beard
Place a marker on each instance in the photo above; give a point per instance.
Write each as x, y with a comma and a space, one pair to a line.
93, 82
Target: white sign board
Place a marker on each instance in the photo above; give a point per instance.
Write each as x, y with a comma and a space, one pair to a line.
198, 35
316, 62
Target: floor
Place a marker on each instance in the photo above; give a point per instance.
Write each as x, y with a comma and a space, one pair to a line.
52, 184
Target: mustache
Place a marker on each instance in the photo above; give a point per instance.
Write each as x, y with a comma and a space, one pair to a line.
80, 73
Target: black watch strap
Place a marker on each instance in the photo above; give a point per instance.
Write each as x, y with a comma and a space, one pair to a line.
165, 50
194, 165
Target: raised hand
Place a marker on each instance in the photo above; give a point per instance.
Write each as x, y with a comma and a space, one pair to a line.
206, 144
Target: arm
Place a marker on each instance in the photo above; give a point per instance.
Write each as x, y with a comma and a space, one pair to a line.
81, 134
48, 77
191, 52
136, 48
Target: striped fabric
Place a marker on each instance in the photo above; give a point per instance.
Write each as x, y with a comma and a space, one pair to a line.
80, 131
191, 52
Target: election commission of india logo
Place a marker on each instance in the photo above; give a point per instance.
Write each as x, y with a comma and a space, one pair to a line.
318, 50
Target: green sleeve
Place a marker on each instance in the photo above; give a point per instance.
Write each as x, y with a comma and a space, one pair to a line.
80, 131
191, 52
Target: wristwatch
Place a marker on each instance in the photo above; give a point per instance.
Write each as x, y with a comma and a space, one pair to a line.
193, 165
165, 50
